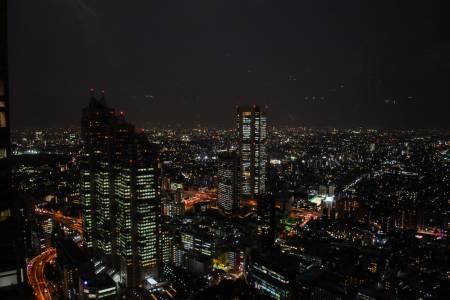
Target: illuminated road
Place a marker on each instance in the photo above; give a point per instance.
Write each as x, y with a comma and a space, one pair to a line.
248, 203
305, 216
35, 274
35, 266
193, 197
308, 217
72, 223
431, 231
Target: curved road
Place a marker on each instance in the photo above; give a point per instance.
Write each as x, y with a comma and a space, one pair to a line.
35, 266
35, 273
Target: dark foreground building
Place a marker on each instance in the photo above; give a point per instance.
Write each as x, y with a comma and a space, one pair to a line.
273, 274
12, 272
72, 265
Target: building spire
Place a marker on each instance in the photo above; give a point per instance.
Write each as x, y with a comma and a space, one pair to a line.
92, 93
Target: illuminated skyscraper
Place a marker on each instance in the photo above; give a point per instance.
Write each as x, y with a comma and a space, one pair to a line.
97, 166
251, 129
119, 192
165, 247
228, 191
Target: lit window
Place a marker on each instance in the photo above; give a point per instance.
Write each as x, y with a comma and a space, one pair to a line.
2, 88
2, 153
2, 119
5, 214
2, 104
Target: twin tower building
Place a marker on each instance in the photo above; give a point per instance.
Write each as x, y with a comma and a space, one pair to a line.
242, 173
119, 186
119, 192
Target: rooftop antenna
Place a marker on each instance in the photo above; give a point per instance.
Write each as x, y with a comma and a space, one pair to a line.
92, 93
102, 99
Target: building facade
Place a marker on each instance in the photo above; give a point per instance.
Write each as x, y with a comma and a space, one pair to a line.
228, 190
273, 274
252, 134
119, 193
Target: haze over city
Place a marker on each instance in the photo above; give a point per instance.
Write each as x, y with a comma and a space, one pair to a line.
381, 64
229, 150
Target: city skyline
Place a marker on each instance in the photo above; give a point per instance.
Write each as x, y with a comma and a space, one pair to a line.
224, 150
312, 64
112, 226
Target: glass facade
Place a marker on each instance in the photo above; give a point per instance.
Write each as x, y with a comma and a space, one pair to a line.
252, 134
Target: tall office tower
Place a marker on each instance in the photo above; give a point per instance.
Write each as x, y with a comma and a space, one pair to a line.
119, 193
165, 247
96, 168
139, 212
251, 127
228, 191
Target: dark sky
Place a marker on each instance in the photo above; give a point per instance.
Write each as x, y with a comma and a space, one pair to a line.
313, 63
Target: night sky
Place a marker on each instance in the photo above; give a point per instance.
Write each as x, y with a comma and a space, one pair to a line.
311, 63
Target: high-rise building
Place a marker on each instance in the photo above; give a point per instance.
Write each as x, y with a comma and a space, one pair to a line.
11, 265
165, 245
5, 145
138, 211
251, 133
266, 217
99, 124
199, 243
228, 175
119, 193
172, 203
